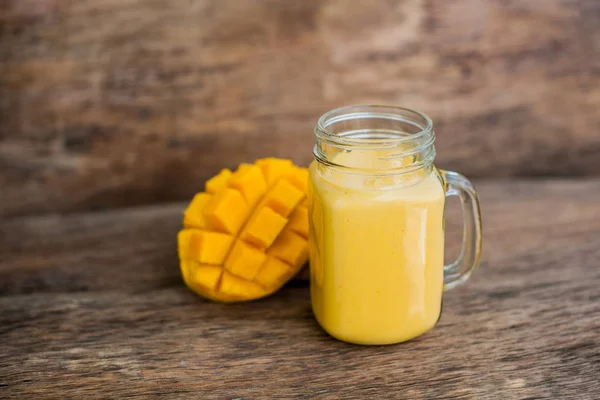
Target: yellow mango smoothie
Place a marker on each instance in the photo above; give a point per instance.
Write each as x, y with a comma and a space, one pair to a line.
377, 250
376, 225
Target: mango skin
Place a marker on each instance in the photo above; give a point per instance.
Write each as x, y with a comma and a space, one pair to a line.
246, 235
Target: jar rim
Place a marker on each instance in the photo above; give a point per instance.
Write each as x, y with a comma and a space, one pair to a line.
371, 111
395, 143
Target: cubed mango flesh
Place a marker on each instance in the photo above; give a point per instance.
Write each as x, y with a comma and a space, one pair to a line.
226, 211
250, 182
274, 168
284, 197
194, 214
289, 248
274, 272
299, 178
218, 182
245, 260
299, 221
247, 234
204, 246
263, 227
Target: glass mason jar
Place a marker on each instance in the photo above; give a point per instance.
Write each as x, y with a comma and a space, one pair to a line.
376, 220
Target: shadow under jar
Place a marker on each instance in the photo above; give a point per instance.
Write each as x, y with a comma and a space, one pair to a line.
376, 219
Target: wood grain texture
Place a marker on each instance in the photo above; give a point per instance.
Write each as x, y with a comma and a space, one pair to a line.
92, 307
128, 102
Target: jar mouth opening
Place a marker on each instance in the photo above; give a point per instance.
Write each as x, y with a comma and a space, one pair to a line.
383, 139
373, 137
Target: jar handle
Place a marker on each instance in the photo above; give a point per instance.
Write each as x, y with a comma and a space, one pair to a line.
470, 255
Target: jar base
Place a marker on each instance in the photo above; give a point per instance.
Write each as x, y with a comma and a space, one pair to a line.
382, 340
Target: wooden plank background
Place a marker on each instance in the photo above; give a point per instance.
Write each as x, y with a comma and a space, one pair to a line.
126, 102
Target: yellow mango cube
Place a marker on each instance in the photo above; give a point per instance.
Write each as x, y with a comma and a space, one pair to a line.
193, 216
283, 197
290, 248
299, 221
250, 182
239, 288
218, 182
273, 273
206, 276
274, 168
203, 246
242, 168
185, 267
244, 260
226, 212
299, 178
184, 237
263, 227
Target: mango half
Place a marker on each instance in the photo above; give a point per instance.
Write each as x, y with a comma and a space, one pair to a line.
246, 235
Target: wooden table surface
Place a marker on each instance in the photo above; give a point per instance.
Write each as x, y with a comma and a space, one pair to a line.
92, 307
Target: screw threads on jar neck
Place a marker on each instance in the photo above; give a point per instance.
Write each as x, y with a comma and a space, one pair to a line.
375, 140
